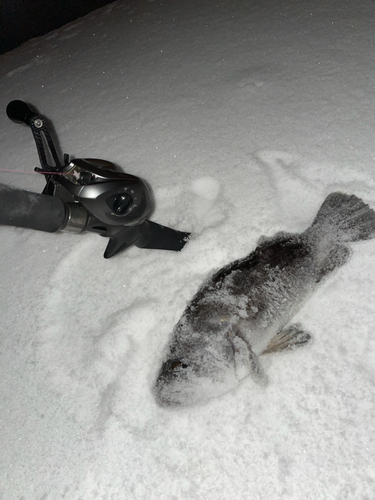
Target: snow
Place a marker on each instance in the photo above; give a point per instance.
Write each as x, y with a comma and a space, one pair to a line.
243, 117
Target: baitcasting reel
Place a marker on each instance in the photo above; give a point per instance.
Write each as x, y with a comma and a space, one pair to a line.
84, 195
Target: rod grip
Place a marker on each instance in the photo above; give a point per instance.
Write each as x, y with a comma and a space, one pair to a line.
34, 211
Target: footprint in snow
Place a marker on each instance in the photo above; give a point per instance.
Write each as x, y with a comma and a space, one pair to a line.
206, 202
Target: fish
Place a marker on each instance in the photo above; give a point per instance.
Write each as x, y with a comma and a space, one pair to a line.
244, 310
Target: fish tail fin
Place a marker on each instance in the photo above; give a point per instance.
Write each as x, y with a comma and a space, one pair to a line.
346, 217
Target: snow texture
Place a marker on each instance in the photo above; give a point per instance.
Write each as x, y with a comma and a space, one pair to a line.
242, 116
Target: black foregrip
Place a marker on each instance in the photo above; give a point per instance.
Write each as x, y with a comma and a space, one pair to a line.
34, 211
20, 112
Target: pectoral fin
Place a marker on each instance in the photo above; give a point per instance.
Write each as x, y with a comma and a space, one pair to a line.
246, 361
288, 339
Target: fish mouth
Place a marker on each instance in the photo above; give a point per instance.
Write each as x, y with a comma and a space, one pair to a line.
166, 401
163, 394
170, 395
171, 392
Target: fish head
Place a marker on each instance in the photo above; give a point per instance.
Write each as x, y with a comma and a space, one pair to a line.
196, 368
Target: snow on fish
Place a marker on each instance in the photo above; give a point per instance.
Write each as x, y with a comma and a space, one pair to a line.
244, 310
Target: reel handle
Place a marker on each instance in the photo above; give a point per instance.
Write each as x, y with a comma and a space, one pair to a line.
20, 112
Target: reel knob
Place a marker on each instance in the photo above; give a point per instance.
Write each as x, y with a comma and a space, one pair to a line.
20, 112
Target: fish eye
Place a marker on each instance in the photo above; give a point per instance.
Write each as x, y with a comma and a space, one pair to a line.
177, 363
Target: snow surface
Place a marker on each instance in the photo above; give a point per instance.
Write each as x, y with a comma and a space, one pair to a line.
242, 116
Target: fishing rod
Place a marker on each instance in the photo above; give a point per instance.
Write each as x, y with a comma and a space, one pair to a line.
84, 194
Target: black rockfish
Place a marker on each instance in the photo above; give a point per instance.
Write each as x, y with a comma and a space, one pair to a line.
242, 311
